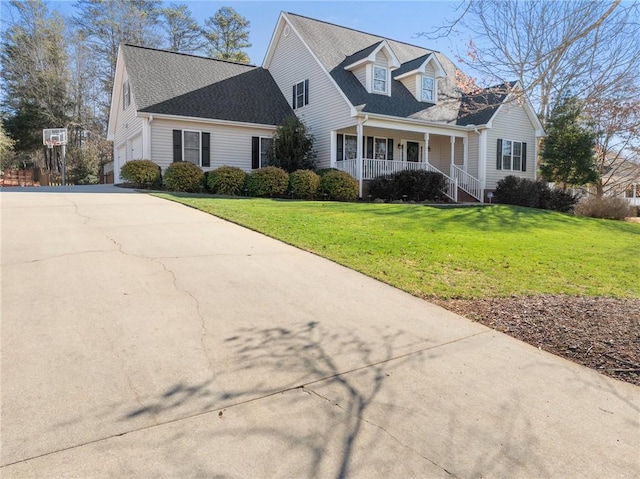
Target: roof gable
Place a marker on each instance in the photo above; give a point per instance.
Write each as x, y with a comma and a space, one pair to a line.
418, 65
171, 83
368, 55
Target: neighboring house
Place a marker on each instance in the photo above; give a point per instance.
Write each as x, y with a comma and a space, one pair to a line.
374, 106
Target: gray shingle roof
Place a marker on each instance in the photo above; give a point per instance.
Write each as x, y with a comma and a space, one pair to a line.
364, 53
337, 47
478, 108
171, 83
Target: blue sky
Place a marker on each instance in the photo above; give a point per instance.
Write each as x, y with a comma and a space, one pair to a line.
400, 20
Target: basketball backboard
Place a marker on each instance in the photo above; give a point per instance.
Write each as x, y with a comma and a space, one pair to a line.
54, 137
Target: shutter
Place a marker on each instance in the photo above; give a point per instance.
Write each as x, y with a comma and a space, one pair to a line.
177, 145
369, 147
293, 104
206, 151
524, 157
306, 92
390, 149
255, 152
339, 147
499, 155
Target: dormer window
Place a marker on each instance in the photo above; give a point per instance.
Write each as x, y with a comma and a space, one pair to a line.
379, 79
428, 89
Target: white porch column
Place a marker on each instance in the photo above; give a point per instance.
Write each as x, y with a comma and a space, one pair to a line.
359, 130
482, 162
465, 152
334, 141
452, 140
426, 147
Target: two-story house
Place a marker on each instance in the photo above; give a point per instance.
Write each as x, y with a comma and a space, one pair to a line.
374, 106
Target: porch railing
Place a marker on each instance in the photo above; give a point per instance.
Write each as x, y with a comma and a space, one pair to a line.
466, 182
373, 168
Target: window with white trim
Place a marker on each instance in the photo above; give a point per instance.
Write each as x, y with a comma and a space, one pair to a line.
266, 144
380, 148
126, 95
379, 79
428, 89
512, 155
191, 146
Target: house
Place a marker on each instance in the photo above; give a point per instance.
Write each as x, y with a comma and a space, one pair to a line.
373, 104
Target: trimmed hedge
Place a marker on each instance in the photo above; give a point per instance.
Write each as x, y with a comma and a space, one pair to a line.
339, 186
269, 182
304, 184
226, 180
415, 185
142, 173
183, 176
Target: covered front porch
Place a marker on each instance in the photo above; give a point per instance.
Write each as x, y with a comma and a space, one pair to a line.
367, 152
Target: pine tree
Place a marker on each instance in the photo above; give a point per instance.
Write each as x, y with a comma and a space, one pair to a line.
227, 33
568, 150
35, 76
182, 31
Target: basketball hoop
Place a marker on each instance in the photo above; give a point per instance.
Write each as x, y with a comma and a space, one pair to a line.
50, 144
54, 137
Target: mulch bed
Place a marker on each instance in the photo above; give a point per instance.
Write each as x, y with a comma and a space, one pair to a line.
600, 333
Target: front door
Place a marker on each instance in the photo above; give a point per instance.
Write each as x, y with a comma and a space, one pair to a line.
413, 151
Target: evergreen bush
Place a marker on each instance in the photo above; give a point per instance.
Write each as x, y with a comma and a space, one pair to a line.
339, 186
183, 176
226, 180
270, 182
142, 173
304, 184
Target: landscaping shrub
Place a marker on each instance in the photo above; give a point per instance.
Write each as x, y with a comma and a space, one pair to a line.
557, 200
142, 173
384, 188
226, 180
270, 182
518, 191
304, 184
339, 186
183, 176
533, 194
323, 171
610, 208
415, 185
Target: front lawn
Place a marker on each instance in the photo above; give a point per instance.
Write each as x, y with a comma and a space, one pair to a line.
452, 252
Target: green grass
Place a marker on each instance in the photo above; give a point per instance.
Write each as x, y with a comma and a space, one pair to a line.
465, 252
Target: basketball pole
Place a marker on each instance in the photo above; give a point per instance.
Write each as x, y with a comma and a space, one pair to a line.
64, 167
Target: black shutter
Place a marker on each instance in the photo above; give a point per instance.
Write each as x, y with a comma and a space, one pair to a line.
177, 145
390, 149
499, 155
369, 147
206, 151
255, 152
306, 92
293, 104
524, 157
339, 147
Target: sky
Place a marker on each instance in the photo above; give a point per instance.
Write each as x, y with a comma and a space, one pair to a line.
399, 20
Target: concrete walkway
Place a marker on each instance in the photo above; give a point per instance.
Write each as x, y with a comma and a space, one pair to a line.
142, 338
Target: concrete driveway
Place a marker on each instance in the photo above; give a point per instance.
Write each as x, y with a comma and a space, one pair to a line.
142, 338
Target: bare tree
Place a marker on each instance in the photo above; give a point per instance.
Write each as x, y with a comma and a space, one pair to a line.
553, 48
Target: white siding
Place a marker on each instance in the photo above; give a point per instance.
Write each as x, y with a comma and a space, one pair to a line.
411, 83
127, 126
361, 75
230, 144
381, 59
473, 154
327, 109
510, 123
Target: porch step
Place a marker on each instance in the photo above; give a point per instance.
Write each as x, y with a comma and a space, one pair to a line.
464, 197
